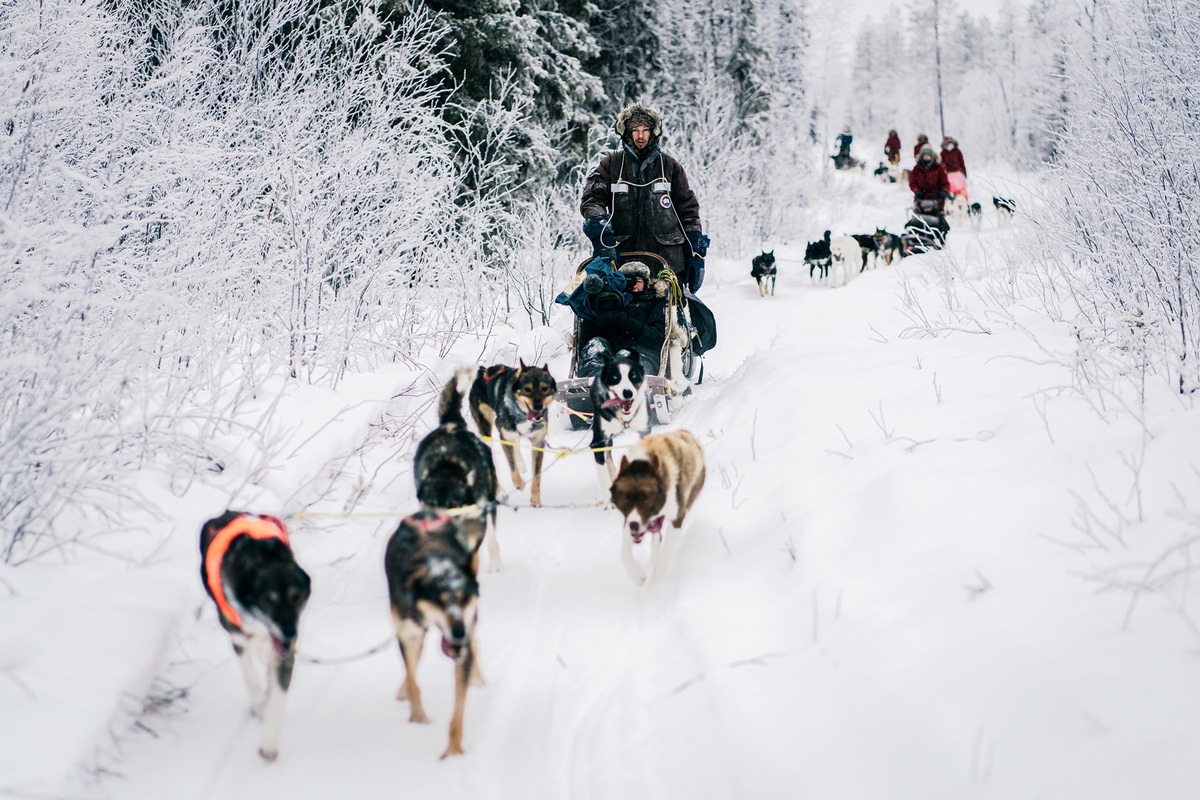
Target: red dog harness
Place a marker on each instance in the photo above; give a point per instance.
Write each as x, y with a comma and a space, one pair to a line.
260, 527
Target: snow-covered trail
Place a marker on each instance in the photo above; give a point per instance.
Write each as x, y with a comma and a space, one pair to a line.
865, 603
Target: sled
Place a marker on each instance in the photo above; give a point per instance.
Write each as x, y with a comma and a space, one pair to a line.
926, 229
666, 389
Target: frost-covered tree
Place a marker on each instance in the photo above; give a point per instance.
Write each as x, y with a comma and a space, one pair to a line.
179, 233
1129, 182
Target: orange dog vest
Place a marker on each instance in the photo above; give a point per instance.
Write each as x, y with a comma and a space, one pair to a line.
260, 527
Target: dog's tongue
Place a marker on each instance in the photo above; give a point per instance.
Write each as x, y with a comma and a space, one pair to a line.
446, 648
656, 524
624, 405
533, 416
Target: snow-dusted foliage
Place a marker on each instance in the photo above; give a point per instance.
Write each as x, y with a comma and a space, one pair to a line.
997, 84
1129, 182
245, 191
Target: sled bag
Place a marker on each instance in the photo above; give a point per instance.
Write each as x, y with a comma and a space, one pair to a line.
705, 323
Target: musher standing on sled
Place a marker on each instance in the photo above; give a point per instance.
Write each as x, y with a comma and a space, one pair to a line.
955, 166
891, 148
638, 198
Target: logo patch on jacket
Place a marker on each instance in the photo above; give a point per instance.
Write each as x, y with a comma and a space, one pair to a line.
665, 201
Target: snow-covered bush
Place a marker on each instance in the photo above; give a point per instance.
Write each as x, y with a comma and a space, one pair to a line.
1129, 182
234, 193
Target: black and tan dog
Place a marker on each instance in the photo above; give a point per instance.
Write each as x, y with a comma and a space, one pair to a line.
454, 471
431, 583
762, 269
248, 570
515, 402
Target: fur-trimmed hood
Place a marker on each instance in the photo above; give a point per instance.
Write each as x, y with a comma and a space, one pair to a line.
635, 269
636, 114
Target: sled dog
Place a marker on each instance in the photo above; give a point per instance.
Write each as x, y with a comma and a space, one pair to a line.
866, 243
516, 400
1004, 207
762, 269
454, 471
248, 570
887, 246
846, 261
817, 257
620, 403
431, 583
658, 481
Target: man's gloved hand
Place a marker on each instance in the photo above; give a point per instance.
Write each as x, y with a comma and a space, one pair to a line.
699, 243
695, 273
594, 226
945, 195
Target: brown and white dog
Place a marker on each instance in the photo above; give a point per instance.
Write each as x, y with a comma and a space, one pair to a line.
248, 570
431, 583
658, 481
516, 400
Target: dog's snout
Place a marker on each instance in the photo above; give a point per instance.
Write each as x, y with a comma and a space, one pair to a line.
634, 526
628, 393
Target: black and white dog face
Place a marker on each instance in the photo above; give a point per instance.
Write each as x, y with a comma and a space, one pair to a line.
620, 404
622, 379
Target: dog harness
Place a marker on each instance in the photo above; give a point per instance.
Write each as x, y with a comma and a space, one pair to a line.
260, 527
427, 525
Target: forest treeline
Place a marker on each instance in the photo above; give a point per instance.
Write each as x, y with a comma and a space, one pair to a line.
204, 200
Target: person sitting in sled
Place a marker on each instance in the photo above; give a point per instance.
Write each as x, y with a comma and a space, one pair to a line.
635, 320
638, 198
891, 148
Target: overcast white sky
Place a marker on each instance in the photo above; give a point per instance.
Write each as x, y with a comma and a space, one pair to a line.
858, 9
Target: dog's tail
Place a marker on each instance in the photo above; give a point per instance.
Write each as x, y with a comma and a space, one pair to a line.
450, 406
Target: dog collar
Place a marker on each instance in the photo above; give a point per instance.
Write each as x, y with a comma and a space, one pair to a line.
260, 527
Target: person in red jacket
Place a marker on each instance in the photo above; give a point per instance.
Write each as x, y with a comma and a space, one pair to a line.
892, 148
928, 179
952, 157
930, 189
922, 140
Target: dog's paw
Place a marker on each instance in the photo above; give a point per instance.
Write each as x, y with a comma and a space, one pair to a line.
418, 716
453, 750
518, 482
494, 565
257, 708
268, 755
402, 693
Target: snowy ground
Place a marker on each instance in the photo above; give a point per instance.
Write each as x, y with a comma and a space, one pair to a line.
890, 586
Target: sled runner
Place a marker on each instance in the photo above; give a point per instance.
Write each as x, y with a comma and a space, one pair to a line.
690, 331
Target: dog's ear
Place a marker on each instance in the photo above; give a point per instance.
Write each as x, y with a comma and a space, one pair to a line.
624, 463
545, 367
524, 366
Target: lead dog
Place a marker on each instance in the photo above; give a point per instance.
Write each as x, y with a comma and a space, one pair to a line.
454, 471
515, 400
619, 404
658, 482
249, 572
431, 583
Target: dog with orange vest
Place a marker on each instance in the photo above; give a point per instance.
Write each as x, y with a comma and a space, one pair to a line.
249, 571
